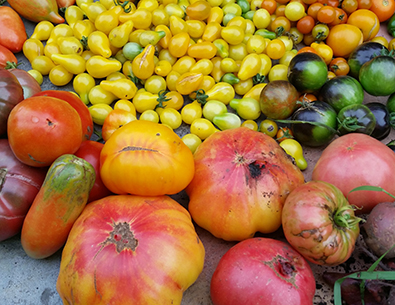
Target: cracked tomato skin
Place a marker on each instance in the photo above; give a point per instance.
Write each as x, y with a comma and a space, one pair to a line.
262, 271
310, 225
241, 180
127, 249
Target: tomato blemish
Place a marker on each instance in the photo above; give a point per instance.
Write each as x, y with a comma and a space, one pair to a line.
122, 237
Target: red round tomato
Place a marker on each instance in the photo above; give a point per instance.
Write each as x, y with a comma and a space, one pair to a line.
127, 249
78, 105
11, 93
146, 158
355, 160
262, 271
20, 184
320, 224
90, 151
241, 180
42, 128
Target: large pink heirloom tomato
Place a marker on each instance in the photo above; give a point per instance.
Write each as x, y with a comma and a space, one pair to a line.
319, 222
262, 271
127, 249
242, 178
354, 160
147, 159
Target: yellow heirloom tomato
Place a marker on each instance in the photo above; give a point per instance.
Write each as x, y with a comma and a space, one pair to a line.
178, 44
99, 67
250, 66
189, 82
99, 112
233, 35
98, 95
82, 84
42, 30
108, 19
98, 43
205, 49
122, 88
119, 35
32, 47
59, 76
73, 63
191, 112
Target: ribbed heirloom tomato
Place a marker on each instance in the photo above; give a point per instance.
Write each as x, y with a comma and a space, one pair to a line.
146, 158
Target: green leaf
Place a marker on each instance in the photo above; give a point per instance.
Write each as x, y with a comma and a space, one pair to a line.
370, 188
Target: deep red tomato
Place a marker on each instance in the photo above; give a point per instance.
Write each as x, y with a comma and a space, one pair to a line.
13, 31
127, 249
354, 160
7, 58
241, 180
11, 93
42, 128
262, 271
20, 184
77, 104
90, 151
320, 224
146, 158
29, 84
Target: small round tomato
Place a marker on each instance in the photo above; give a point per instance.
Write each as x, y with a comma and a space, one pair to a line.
90, 151
269, 5
305, 24
384, 9
349, 6
326, 14
339, 66
147, 159
284, 133
42, 128
192, 141
320, 32
294, 10
269, 127
313, 9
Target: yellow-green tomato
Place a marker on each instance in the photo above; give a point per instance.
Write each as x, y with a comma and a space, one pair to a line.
295, 150
125, 105
269, 127
99, 112
192, 141
203, 128
149, 115
37, 76
191, 112
170, 117
82, 84
278, 72
227, 120
98, 95
213, 108
247, 108
251, 124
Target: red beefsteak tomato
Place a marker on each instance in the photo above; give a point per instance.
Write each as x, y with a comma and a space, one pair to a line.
19, 185
242, 178
90, 151
320, 224
11, 93
42, 128
127, 249
77, 104
354, 160
147, 159
262, 271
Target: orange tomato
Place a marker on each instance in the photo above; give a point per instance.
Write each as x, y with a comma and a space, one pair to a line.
366, 4
349, 6
307, 49
366, 21
146, 158
269, 5
341, 17
305, 24
313, 9
384, 9
115, 120
339, 66
343, 39
326, 14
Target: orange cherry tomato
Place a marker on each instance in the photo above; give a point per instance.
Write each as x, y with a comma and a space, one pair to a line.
384, 9
313, 9
269, 5
326, 14
339, 66
341, 17
334, 3
349, 6
280, 24
284, 133
305, 24
364, 4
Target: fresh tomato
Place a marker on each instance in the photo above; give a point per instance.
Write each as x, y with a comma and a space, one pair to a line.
356, 118
90, 151
343, 39
7, 58
272, 269
384, 9
383, 120
37, 11
13, 29
328, 236
136, 159
11, 93
20, 185
367, 21
115, 120
130, 236
28, 82
343, 163
295, 150
306, 131
42, 128
78, 105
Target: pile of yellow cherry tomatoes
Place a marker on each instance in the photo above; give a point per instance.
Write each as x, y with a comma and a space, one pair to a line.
198, 62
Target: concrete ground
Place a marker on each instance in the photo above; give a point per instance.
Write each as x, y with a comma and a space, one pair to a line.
27, 281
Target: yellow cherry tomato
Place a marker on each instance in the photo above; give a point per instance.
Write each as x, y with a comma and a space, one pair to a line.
37, 76
125, 105
192, 141
203, 128
250, 66
98, 95
155, 84
251, 124
143, 64
149, 115
82, 84
275, 49
191, 112
189, 82
233, 35
122, 88
99, 44
32, 47
73, 63
99, 112
170, 117
59, 76
255, 91
295, 150
99, 67
42, 30
278, 72
43, 64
